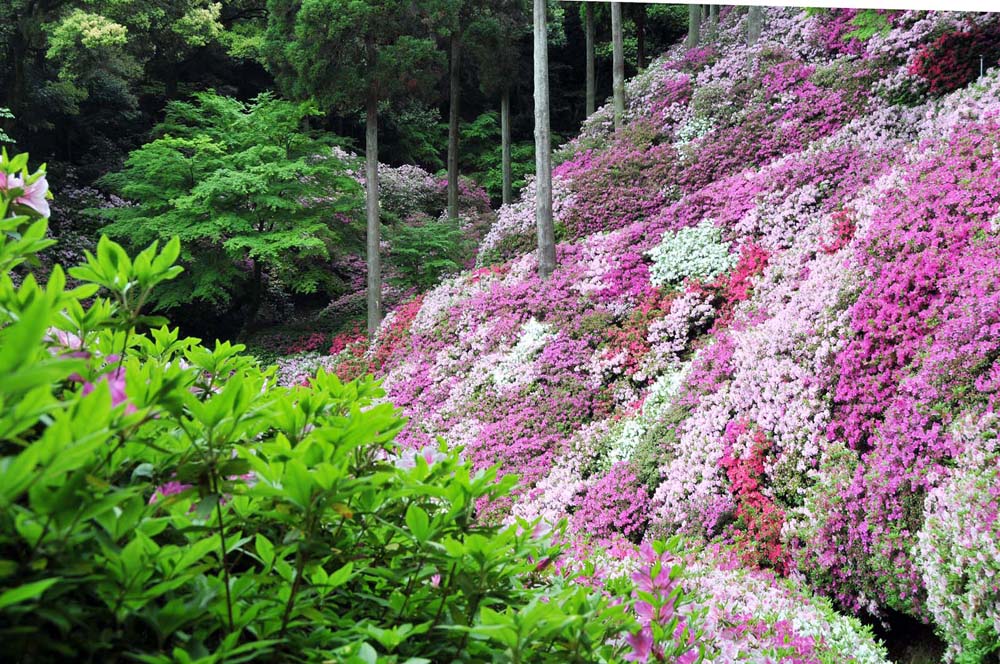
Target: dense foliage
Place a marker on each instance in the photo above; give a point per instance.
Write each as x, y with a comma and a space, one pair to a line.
772, 342
251, 195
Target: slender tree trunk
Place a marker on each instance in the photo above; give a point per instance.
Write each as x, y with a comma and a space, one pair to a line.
508, 190
755, 24
372, 208
454, 83
618, 61
713, 21
640, 36
694, 26
543, 147
588, 13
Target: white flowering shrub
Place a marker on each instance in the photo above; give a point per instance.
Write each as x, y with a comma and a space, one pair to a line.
697, 252
693, 129
958, 549
625, 439
514, 369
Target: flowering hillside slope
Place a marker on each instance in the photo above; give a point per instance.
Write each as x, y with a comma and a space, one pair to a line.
773, 330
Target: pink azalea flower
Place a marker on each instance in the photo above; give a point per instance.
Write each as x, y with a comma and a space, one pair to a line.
171, 488
642, 645
34, 194
116, 383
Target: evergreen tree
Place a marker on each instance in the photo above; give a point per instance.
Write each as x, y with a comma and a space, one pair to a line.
353, 55
588, 23
755, 24
495, 38
694, 25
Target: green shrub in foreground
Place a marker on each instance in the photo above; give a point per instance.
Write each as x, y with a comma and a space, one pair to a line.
165, 501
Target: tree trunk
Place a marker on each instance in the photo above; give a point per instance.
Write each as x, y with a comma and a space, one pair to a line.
588, 13
618, 61
713, 21
508, 191
543, 147
372, 208
640, 36
694, 26
755, 24
454, 83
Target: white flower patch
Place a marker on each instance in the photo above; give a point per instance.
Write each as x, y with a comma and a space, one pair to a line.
696, 252
658, 400
692, 130
513, 370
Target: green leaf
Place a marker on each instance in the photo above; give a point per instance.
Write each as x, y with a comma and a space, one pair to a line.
264, 549
203, 510
144, 470
418, 522
26, 592
341, 576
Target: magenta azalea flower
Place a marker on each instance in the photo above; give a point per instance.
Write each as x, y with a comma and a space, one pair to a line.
642, 645
169, 489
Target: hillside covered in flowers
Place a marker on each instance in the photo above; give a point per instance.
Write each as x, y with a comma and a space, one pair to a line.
774, 331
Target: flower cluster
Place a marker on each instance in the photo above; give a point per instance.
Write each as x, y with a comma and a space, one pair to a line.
690, 253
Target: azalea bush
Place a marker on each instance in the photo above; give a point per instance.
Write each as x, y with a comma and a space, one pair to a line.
956, 58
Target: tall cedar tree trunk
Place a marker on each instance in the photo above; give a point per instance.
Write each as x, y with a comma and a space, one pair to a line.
543, 147
694, 25
618, 63
454, 84
508, 190
713, 22
640, 36
371, 181
755, 24
588, 13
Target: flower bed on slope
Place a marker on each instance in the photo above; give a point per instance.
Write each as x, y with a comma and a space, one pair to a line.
795, 400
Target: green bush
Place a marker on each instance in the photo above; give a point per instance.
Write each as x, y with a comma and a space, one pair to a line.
165, 501
424, 252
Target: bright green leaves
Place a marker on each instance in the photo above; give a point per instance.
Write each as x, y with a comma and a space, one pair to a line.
131, 282
391, 639
418, 522
565, 623
423, 254
26, 592
248, 191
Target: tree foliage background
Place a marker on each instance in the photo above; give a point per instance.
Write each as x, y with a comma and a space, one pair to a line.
89, 82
